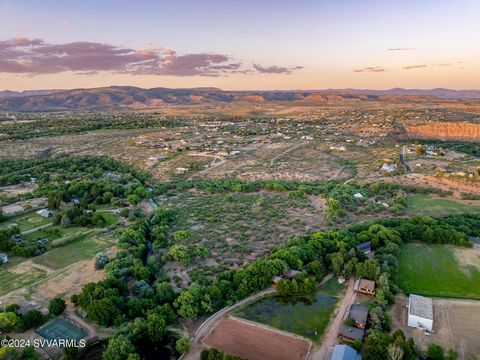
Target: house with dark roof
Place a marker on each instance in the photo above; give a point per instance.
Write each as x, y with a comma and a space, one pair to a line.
365, 247
350, 333
358, 313
345, 352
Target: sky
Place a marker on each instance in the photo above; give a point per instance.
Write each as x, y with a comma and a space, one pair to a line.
240, 44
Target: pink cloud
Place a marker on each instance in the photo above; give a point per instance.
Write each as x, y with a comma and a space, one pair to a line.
370, 69
276, 69
35, 56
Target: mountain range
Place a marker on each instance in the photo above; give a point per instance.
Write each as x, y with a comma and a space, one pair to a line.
129, 97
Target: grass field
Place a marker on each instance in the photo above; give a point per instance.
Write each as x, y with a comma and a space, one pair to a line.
424, 204
305, 317
27, 221
13, 280
84, 248
439, 270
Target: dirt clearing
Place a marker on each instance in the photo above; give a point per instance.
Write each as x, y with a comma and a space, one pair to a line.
455, 325
253, 342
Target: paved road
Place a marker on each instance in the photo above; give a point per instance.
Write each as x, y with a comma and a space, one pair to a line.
402, 160
329, 339
209, 324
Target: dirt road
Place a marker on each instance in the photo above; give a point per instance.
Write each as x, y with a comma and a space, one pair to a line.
209, 324
330, 338
26, 232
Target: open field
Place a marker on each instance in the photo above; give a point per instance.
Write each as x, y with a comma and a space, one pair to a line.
306, 317
440, 270
27, 221
455, 325
234, 336
238, 227
426, 205
85, 248
22, 273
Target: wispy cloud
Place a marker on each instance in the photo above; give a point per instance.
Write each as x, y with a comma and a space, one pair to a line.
416, 66
401, 49
370, 69
35, 56
276, 69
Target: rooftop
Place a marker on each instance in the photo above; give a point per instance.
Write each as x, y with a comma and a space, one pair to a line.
351, 332
358, 313
364, 246
366, 284
420, 306
345, 352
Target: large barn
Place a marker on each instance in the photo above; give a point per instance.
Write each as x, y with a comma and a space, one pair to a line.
420, 312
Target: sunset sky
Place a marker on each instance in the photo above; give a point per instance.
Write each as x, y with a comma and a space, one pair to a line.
240, 44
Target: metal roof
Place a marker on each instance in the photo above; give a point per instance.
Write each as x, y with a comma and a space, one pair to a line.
345, 352
420, 306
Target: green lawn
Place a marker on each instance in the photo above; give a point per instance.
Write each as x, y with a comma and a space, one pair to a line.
84, 248
424, 204
10, 280
27, 221
433, 270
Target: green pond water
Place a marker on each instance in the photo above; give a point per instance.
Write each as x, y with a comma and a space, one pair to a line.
307, 317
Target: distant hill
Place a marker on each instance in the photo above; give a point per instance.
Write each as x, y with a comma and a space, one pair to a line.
129, 97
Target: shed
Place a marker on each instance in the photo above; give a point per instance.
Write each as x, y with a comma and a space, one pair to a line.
44, 213
345, 352
420, 312
365, 247
3, 258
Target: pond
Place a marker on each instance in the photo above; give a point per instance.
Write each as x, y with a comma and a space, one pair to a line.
305, 316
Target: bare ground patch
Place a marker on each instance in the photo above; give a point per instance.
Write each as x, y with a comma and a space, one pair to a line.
254, 342
455, 325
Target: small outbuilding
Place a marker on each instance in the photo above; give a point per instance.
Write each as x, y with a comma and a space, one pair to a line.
3, 258
420, 312
365, 247
44, 213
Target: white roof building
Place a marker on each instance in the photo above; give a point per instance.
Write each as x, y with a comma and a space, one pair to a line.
420, 312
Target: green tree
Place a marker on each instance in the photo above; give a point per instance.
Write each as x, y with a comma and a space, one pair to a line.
435, 352
183, 345
119, 348
8, 321
156, 326
57, 306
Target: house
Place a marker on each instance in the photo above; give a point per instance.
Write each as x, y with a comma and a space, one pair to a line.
358, 313
44, 213
3, 258
420, 312
365, 286
365, 247
350, 333
345, 352
358, 196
